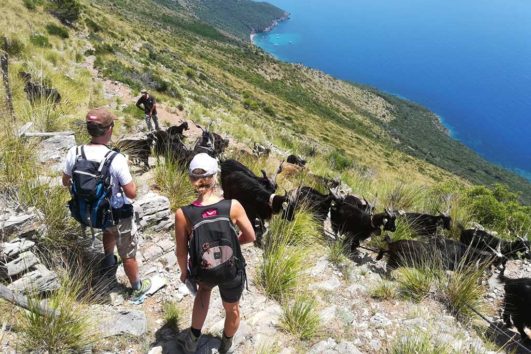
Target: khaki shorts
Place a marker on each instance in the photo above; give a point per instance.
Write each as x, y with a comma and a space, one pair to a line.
126, 240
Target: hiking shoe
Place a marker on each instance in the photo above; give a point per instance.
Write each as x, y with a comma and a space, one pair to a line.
144, 287
226, 345
188, 341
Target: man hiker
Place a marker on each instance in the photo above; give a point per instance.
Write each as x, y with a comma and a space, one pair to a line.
147, 103
208, 251
112, 212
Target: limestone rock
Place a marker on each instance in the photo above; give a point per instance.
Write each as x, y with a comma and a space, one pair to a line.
52, 151
25, 225
22, 263
152, 203
124, 322
40, 280
14, 248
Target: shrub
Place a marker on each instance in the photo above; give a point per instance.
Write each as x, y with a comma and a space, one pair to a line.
300, 318
190, 73
249, 103
32, 4
14, 46
40, 40
93, 26
66, 11
339, 161
58, 31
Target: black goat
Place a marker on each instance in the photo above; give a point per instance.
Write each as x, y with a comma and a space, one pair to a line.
296, 160
358, 224
35, 91
449, 254
138, 149
359, 203
210, 143
317, 202
484, 241
516, 309
178, 130
426, 224
256, 194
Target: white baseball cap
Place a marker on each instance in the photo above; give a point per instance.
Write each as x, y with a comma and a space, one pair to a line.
205, 162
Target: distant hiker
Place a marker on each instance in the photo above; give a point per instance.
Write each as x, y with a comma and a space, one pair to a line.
208, 251
148, 104
101, 185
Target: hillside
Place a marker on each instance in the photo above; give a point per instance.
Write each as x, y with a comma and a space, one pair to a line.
326, 298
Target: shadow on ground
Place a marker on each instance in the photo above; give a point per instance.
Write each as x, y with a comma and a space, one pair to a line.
167, 337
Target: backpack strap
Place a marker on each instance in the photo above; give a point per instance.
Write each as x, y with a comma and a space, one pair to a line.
82, 148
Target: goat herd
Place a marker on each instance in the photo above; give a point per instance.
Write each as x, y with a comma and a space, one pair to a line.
351, 216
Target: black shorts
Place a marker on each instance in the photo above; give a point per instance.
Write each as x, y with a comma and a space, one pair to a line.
230, 291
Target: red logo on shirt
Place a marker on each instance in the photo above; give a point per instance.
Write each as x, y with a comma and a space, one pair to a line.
209, 213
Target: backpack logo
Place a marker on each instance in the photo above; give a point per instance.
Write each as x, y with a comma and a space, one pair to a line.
91, 190
209, 213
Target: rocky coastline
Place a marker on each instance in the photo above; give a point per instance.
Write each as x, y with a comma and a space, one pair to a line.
269, 28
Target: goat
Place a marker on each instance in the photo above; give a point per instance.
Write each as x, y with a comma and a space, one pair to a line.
426, 224
138, 149
449, 254
487, 242
358, 224
317, 202
178, 130
210, 143
256, 194
516, 309
296, 160
36, 91
359, 203
260, 150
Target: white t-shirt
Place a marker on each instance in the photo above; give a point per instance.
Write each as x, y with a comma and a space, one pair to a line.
119, 170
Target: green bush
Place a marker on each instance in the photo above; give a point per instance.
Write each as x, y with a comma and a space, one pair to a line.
14, 46
339, 161
93, 26
32, 4
385, 290
58, 31
66, 11
40, 40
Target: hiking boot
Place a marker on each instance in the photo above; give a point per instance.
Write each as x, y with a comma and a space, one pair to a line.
226, 345
145, 285
188, 341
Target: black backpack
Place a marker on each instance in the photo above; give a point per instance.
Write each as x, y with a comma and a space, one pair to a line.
215, 253
92, 190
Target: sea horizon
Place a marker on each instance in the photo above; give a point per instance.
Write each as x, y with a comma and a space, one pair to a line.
488, 113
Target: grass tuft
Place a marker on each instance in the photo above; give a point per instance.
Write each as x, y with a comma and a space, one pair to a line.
385, 290
174, 183
417, 341
463, 290
70, 330
172, 314
300, 318
413, 283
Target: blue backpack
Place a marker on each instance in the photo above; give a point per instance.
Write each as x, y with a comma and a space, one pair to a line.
91, 191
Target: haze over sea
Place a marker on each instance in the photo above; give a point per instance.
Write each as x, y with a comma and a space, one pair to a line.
468, 61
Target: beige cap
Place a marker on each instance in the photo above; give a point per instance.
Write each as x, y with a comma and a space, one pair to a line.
100, 116
143, 91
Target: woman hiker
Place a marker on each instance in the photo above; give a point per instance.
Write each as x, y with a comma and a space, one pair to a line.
208, 251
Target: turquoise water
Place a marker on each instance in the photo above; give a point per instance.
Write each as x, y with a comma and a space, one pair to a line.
468, 61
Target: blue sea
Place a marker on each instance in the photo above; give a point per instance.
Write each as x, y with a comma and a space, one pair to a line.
469, 61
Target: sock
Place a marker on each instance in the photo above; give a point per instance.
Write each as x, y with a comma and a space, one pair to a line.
136, 285
109, 260
195, 332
